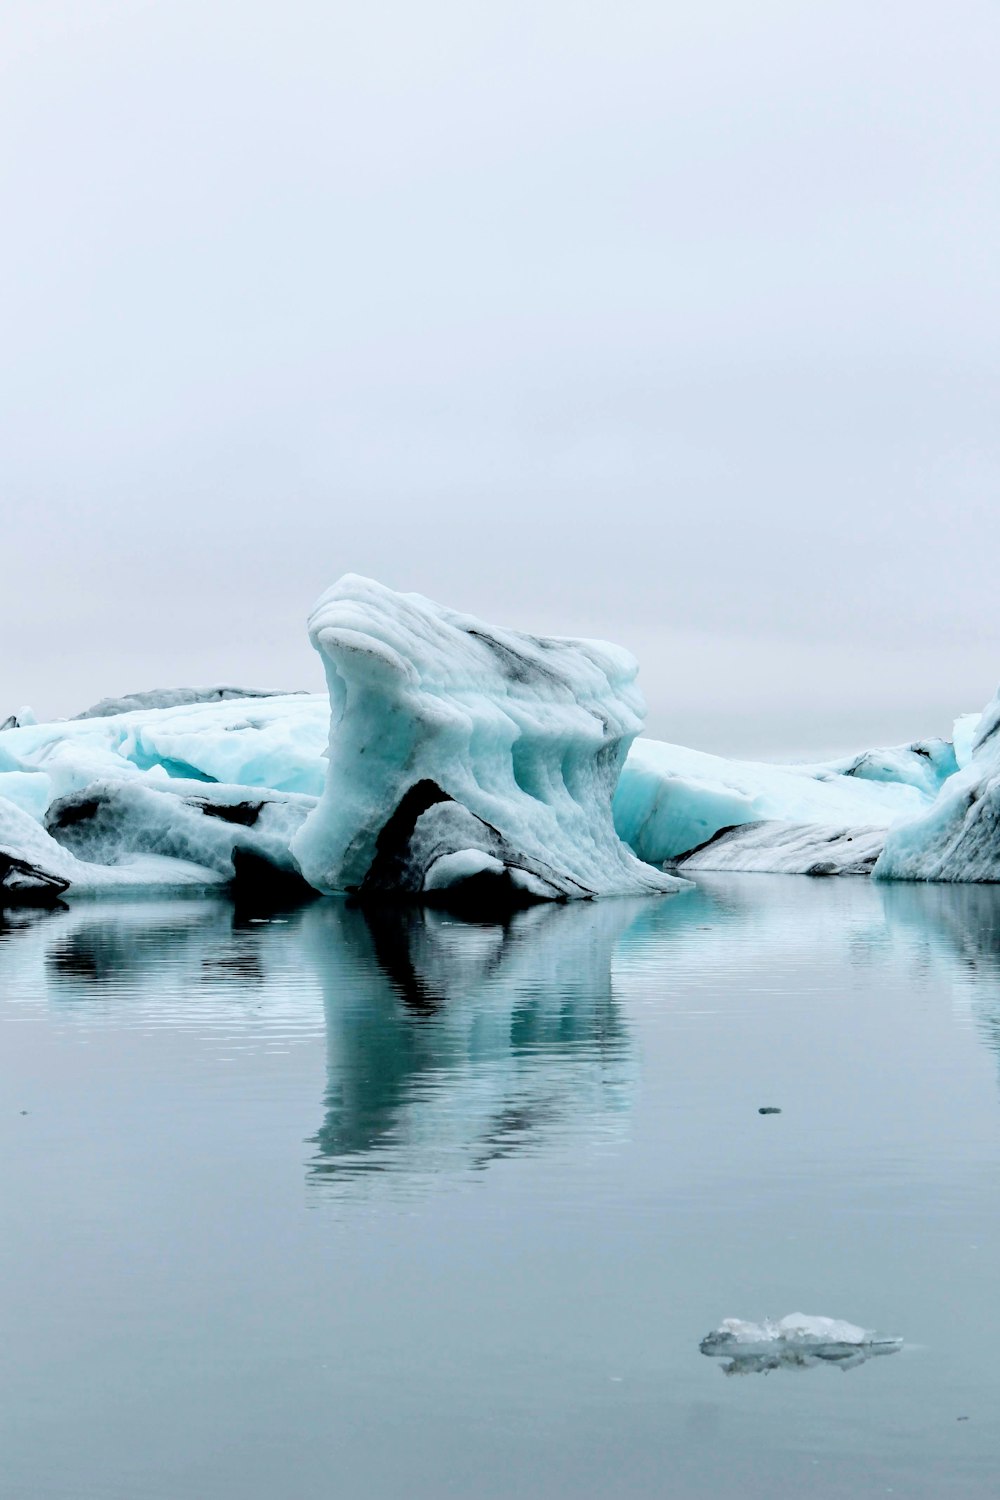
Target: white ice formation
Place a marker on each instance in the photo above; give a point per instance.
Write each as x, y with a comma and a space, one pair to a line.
36, 869
466, 756
776, 848
190, 794
671, 802
798, 1340
451, 756
958, 836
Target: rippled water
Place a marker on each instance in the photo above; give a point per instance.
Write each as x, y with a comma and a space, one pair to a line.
376, 1205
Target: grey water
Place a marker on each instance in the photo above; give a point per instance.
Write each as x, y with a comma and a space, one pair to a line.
337, 1204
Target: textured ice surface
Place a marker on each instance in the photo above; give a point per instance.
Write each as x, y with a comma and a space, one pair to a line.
789, 849
452, 737
671, 800
202, 823
161, 797
958, 836
273, 743
798, 1340
35, 868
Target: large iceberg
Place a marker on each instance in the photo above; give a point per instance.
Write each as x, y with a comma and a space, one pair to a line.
467, 757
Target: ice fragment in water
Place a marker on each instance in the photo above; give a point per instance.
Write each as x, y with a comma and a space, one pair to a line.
797, 1341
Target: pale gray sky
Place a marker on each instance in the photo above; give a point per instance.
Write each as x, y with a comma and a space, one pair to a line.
674, 323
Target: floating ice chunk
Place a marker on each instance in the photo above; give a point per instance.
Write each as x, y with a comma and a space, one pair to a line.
958, 836
789, 849
796, 1341
449, 736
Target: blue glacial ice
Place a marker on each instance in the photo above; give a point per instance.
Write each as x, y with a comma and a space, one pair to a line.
671, 801
464, 755
451, 755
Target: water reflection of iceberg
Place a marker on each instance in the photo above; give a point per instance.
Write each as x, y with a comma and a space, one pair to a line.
957, 928
453, 1045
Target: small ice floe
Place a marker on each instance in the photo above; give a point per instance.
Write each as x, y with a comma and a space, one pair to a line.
797, 1342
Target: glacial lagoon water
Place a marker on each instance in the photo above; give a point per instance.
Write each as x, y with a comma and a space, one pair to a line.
360, 1205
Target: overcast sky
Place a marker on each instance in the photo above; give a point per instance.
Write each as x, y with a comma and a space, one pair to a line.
670, 323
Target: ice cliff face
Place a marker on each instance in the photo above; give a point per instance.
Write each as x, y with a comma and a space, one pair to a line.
463, 755
958, 836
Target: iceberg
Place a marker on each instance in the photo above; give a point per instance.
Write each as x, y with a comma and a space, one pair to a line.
958, 836
468, 759
798, 1341
450, 760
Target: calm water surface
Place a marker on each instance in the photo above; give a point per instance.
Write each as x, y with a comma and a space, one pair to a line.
361, 1207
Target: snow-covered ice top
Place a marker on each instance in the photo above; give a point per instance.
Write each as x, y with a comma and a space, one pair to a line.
461, 750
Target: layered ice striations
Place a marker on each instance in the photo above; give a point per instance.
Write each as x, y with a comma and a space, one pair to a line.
467, 757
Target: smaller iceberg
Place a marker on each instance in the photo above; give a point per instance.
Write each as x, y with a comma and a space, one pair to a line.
798, 1341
